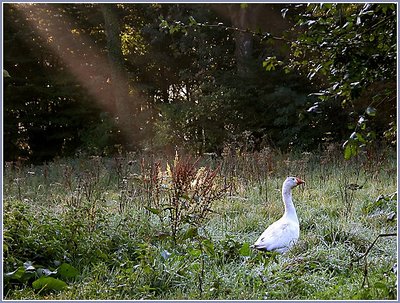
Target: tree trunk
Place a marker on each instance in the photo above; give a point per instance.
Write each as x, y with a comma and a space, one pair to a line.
252, 17
119, 76
241, 18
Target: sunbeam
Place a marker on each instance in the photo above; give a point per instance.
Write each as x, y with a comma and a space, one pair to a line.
85, 61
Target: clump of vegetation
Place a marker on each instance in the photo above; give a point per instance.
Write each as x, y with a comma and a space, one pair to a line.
183, 192
144, 227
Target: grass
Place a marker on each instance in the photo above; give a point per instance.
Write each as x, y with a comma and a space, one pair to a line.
100, 217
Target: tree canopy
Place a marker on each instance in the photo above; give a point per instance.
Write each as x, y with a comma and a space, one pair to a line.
98, 78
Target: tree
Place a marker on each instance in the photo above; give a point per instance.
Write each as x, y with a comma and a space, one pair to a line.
97, 76
123, 100
48, 111
250, 20
240, 100
350, 51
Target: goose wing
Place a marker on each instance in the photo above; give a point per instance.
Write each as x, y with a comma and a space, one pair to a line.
278, 236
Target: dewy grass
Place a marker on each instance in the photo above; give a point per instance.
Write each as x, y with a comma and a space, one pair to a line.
91, 214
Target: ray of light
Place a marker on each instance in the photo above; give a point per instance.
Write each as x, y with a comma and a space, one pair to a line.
86, 61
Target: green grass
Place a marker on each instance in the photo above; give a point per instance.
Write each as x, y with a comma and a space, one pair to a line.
89, 213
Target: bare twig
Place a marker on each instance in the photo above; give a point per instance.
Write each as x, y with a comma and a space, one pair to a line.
365, 279
263, 35
373, 243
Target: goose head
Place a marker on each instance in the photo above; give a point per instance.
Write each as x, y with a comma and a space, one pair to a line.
292, 182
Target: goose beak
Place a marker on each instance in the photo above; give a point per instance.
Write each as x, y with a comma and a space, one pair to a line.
299, 181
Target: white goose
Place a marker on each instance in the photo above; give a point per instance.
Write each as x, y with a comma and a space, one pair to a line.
282, 234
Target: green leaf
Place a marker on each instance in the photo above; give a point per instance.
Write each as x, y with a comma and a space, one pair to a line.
371, 135
362, 122
326, 6
348, 25
16, 274
195, 266
67, 271
194, 252
380, 285
155, 211
208, 247
192, 21
164, 24
49, 283
245, 250
360, 138
6, 74
270, 63
190, 233
371, 111
350, 149
147, 269
146, 288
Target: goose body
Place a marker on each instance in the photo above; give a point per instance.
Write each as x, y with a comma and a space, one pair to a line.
282, 234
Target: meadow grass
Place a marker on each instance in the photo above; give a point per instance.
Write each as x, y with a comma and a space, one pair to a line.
94, 214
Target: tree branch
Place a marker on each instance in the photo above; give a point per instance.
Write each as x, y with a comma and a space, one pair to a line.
373, 243
193, 23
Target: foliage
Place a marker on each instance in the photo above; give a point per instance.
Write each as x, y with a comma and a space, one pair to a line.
328, 72
42, 246
256, 103
353, 50
94, 225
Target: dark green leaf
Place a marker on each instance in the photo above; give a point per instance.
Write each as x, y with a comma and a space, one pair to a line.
371, 135
67, 271
49, 283
208, 247
360, 138
380, 285
190, 233
192, 21
16, 274
155, 211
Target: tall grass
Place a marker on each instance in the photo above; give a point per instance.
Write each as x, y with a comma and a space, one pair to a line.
111, 220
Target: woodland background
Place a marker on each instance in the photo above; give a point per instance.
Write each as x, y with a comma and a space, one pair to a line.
101, 78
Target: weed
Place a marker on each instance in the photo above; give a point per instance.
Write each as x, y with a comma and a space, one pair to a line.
183, 191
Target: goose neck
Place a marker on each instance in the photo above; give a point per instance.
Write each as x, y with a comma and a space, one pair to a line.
290, 210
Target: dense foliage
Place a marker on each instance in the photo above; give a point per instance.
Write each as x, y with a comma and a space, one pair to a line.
198, 76
354, 48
